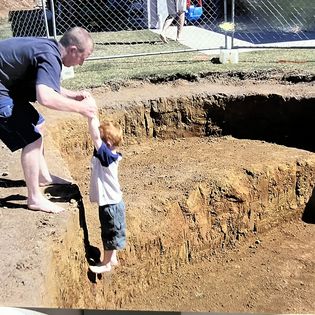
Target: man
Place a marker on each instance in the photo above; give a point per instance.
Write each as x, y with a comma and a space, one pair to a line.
30, 70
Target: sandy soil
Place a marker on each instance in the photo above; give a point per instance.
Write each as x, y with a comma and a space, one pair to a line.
7, 5
269, 272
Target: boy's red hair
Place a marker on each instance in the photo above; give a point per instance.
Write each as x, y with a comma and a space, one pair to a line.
111, 132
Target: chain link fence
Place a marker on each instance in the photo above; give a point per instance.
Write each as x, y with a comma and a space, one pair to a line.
22, 18
267, 22
136, 25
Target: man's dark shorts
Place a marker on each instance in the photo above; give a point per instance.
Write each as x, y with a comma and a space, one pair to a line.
18, 125
113, 226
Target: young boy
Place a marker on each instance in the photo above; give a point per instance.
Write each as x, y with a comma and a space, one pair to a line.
105, 190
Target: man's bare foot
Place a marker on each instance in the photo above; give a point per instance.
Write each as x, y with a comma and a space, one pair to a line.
53, 180
44, 205
163, 38
100, 268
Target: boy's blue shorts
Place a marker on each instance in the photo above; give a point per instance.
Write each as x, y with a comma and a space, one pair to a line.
18, 123
113, 225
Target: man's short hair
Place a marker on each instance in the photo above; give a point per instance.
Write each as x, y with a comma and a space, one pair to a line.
77, 36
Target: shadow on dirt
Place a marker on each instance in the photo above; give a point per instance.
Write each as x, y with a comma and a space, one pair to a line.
9, 183
7, 202
272, 118
70, 193
308, 215
92, 253
63, 193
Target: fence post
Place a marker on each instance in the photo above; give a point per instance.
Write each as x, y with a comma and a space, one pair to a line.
45, 17
52, 6
228, 54
225, 20
233, 22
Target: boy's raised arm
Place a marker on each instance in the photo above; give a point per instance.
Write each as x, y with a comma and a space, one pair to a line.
95, 132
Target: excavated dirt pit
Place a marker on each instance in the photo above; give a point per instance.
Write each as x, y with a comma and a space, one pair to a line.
218, 189
197, 183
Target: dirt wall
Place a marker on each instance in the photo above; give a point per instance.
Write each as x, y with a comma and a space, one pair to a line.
189, 196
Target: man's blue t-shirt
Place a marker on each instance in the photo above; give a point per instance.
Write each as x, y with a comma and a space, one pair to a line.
26, 62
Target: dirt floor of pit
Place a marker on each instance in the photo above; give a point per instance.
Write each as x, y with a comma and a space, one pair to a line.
272, 272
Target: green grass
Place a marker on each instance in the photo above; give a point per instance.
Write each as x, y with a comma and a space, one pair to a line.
97, 73
112, 44
5, 30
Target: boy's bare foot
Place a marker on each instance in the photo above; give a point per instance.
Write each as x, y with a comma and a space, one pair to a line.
100, 268
44, 205
54, 180
163, 38
114, 262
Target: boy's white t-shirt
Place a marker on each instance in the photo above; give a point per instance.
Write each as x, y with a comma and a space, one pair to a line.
104, 184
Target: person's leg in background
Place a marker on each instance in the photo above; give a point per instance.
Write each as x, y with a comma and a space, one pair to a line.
166, 25
172, 12
180, 26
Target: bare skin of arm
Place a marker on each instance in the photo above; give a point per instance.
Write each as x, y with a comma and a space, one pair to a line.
46, 96
76, 95
95, 132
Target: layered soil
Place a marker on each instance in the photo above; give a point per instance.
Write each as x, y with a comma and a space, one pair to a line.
218, 178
